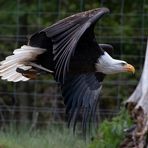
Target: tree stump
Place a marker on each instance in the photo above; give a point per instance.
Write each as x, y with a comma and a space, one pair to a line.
137, 105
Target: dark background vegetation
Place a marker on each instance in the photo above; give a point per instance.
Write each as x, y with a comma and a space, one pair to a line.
38, 102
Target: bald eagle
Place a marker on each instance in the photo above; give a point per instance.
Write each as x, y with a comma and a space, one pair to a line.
68, 50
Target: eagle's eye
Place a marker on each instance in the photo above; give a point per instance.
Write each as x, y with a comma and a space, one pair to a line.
123, 63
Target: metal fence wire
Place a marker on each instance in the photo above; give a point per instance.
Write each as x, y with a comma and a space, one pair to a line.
39, 102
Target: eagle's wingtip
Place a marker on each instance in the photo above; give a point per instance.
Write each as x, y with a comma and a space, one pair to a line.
104, 9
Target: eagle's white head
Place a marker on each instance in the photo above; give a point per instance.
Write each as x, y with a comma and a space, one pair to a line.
107, 65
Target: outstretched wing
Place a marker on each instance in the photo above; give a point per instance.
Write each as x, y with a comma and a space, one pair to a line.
81, 94
67, 33
74, 53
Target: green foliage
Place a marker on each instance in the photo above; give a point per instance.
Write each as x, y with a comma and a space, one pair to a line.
110, 133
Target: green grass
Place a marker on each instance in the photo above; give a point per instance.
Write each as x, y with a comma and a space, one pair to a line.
109, 135
51, 138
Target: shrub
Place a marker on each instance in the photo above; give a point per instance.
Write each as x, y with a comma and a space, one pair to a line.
110, 133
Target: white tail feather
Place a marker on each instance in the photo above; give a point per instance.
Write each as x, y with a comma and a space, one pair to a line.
20, 57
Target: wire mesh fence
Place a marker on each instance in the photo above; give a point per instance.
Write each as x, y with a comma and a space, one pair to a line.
39, 102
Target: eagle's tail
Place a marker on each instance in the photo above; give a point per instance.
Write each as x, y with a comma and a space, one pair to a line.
21, 66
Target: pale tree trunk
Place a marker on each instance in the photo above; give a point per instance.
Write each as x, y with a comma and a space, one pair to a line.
137, 105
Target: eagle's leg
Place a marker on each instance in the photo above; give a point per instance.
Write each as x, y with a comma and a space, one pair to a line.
30, 73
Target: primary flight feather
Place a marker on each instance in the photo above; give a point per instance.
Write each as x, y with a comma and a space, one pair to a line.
69, 51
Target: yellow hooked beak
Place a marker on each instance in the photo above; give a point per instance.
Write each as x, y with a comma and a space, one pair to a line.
129, 68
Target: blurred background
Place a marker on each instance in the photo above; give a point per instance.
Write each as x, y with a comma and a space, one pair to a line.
38, 103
